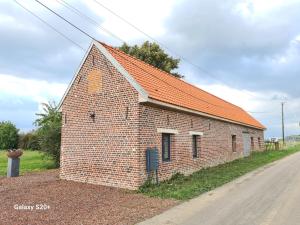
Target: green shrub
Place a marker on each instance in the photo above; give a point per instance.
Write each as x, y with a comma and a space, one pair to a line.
49, 131
8, 135
29, 141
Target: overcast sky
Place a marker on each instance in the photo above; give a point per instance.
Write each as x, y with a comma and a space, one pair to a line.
247, 52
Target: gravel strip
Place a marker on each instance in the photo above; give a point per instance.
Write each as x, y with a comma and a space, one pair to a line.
72, 202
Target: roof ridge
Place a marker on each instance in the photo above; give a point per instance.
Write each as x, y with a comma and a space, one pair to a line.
199, 99
169, 74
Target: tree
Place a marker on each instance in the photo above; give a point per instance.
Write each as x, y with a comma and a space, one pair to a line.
29, 140
8, 135
152, 54
49, 130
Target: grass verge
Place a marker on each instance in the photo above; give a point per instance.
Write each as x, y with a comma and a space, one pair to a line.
186, 187
30, 161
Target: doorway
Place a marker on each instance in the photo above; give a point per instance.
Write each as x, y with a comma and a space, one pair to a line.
247, 144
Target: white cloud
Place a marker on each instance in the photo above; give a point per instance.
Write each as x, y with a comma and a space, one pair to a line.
246, 99
264, 106
21, 98
6, 19
37, 90
146, 15
265, 6
251, 101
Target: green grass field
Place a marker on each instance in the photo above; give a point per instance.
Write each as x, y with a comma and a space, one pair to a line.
186, 187
30, 161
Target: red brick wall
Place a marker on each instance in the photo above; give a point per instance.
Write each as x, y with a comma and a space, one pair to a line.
105, 151
215, 144
111, 149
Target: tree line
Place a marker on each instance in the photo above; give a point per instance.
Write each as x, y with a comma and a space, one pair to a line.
46, 137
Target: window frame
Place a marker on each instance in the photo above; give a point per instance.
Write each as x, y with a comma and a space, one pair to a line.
168, 136
195, 146
233, 143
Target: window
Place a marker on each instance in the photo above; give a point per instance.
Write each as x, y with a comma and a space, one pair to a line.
233, 137
166, 147
93, 116
259, 144
65, 118
195, 146
93, 60
126, 113
252, 143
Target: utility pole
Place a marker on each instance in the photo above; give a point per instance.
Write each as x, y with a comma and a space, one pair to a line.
282, 121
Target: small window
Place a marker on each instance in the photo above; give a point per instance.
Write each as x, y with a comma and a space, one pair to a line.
259, 143
93, 60
166, 147
252, 143
195, 146
93, 116
65, 118
126, 113
233, 137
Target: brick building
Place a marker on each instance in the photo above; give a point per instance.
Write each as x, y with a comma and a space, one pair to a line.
117, 106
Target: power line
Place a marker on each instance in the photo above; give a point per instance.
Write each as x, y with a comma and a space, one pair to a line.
126, 21
83, 15
157, 41
78, 12
115, 50
203, 70
85, 33
49, 25
91, 20
106, 30
67, 21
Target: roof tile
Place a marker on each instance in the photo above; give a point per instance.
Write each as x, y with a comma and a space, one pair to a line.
164, 87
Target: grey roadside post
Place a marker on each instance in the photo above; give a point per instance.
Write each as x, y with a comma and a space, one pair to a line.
13, 164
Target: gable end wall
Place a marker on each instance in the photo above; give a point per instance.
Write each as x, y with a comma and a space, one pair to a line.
105, 151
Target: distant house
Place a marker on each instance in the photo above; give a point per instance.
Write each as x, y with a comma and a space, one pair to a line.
118, 106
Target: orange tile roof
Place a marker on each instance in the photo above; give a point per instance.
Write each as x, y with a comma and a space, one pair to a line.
166, 88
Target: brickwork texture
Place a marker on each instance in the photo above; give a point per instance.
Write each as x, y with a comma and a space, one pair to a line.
106, 132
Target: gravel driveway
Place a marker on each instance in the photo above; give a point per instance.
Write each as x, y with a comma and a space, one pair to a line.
41, 198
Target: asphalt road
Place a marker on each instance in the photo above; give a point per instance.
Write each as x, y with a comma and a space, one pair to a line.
267, 196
